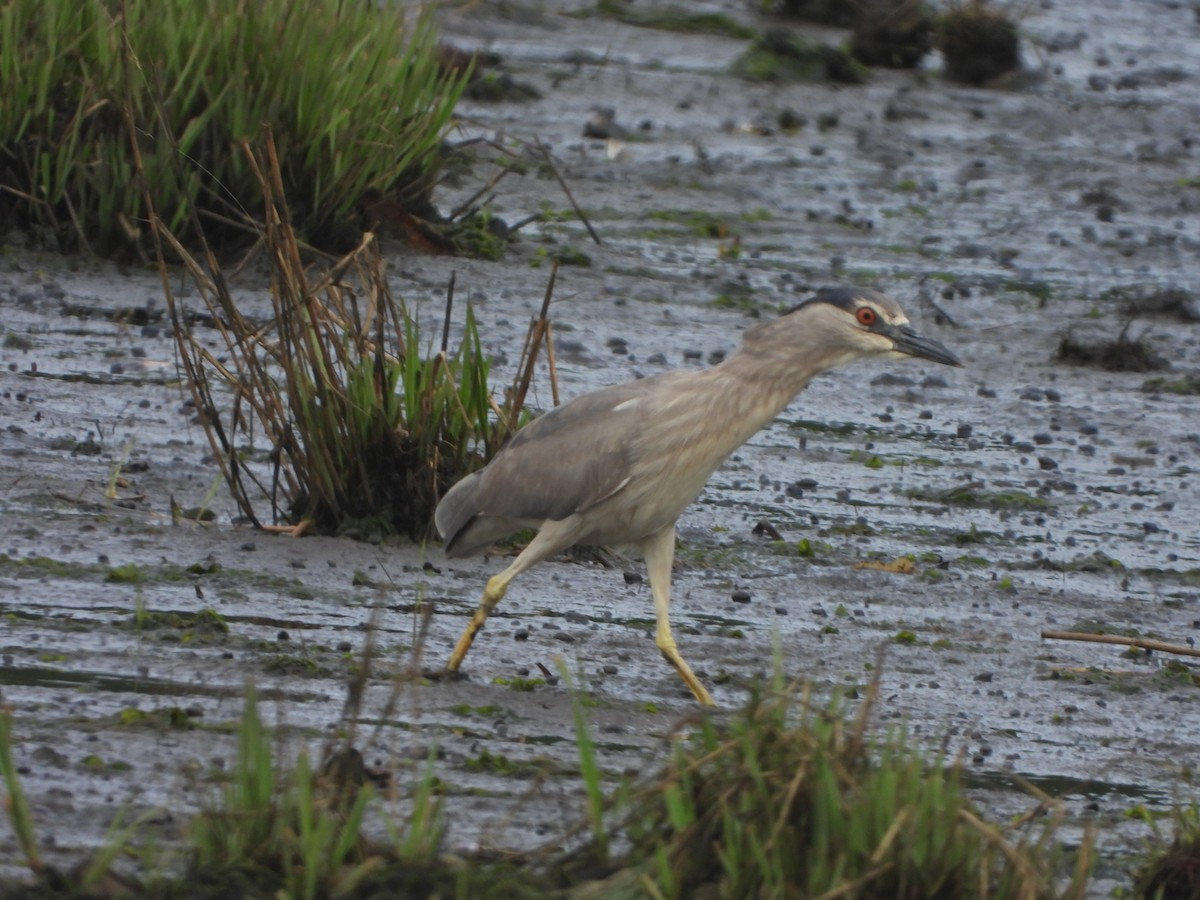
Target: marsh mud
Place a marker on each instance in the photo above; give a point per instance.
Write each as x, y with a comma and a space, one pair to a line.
1032, 494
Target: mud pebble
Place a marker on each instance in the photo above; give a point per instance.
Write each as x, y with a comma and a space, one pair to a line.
934, 381
844, 495
1053, 396
971, 250
656, 359
716, 357
984, 677
283, 636
1151, 528
1033, 394
521, 634
964, 431
48, 756
1023, 447
781, 611
794, 491
632, 577
692, 353
345, 647
564, 637
890, 378
1042, 438
610, 669
602, 125
117, 368
925, 414
740, 596
619, 346
766, 529
986, 392
249, 547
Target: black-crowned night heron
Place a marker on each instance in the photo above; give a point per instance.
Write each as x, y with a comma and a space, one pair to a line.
619, 465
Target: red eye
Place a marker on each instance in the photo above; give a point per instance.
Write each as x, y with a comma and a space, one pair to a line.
866, 316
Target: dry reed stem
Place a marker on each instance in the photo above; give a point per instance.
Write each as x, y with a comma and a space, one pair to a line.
1140, 643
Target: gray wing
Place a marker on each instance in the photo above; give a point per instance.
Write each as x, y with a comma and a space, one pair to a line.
565, 462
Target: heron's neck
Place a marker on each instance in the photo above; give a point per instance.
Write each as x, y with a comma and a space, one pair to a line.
774, 364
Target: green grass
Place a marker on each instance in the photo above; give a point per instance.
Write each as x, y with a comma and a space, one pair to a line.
786, 802
16, 806
973, 496
104, 99
1173, 866
781, 798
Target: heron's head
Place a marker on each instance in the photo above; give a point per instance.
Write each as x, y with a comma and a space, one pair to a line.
856, 322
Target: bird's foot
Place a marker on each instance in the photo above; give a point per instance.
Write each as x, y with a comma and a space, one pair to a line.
671, 655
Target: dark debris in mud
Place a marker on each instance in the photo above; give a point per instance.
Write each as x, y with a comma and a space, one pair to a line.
896, 34
979, 41
1119, 354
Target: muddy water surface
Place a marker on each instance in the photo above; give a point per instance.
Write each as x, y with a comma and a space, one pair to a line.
1032, 494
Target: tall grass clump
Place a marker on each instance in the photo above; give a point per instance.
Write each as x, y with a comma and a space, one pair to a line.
787, 802
276, 832
1172, 869
333, 411
352, 92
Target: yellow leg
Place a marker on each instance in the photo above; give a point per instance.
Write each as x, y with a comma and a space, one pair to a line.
552, 537
660, 552
494, 592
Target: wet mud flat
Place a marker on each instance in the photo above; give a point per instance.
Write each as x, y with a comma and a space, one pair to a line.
1032, 494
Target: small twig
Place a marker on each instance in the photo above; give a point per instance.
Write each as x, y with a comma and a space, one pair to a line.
486, 141
552, 365
945, 316
1140, 643
521, 223
566, 190
469, 204
446, 321
534, 340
